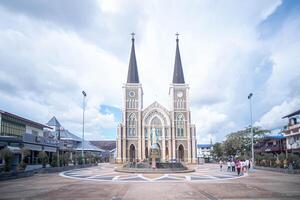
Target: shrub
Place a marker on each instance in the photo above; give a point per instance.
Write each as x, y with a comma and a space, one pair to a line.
7, 156
24, 153
80, 160
54, 161
43, 158
65, 159
75, 159
21, 166
294, 159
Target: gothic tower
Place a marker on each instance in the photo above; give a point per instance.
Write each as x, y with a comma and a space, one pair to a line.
129, 131
172, 128
183, 132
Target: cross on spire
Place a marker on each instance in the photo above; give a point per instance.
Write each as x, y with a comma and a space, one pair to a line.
178, 77
177, 34
132, 35
133, 75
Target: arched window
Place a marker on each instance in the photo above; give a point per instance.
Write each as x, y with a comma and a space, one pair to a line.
180, 125
131, 125
156, 123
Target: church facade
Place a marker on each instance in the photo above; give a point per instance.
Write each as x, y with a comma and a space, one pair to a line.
175, 135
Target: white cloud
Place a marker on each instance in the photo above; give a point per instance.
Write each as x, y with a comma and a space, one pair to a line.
45, 64
273, 118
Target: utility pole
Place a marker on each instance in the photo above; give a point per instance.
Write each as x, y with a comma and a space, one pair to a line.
252, 137
83, 110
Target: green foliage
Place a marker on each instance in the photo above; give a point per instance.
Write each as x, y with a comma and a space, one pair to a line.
7, 156
43, 158
54, 161
217, 151
294, 160
279, 160
25, 152
21, 166
65, 159
80, 160
239, 143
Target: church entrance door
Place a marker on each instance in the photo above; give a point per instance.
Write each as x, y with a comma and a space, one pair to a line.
181, 153
132, 153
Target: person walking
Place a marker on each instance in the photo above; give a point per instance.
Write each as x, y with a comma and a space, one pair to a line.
232, 166
228, 166
221, 165
247, 163
238, 167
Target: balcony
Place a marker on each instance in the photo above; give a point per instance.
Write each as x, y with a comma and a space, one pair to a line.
292, 129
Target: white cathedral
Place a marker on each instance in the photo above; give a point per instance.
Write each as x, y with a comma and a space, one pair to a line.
175, 135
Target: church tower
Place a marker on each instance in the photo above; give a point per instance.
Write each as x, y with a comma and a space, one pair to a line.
171, 129
129, 131
183, 132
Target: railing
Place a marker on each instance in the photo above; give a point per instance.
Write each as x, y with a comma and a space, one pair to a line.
291, 129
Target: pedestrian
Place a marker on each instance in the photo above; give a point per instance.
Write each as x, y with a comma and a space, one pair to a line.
250, 164
232, 166
228, 166
247, 164
238, 167
221, 164
243, 167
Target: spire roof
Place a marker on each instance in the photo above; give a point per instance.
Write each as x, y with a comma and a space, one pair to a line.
54, 122
133, 75
178, 76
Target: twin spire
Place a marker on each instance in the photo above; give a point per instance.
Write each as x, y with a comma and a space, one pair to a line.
133, 75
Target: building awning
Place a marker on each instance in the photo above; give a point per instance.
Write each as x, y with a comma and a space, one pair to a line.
14, 149
33, 147
50, 149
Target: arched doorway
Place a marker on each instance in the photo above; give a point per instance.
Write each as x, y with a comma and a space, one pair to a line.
167, 153
181, 153
132, 153
146, 152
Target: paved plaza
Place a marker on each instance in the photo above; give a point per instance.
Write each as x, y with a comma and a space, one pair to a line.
106, 173
102, 182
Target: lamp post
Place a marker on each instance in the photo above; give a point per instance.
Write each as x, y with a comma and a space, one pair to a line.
58, 138
252, 145
83, 109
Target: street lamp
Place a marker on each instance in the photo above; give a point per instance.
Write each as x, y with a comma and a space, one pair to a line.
83, 109
58, 138
252, 145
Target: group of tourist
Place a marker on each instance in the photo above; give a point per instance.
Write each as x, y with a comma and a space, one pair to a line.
239, 166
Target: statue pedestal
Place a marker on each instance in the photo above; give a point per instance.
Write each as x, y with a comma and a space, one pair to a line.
153, 162
154, 154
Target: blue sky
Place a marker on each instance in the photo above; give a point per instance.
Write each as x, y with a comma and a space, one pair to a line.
52, 50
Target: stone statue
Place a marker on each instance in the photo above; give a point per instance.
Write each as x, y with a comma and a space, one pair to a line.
154, 148
153, 136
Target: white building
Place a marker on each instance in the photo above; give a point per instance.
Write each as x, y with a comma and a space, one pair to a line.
172, 129
292, 132
204, 150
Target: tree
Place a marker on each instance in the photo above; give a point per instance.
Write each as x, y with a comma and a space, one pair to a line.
239, 143
7, 156
43, 157
24, 153
217, 151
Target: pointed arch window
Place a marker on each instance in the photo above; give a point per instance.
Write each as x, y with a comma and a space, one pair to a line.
157, 125
131, 125
180, 125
